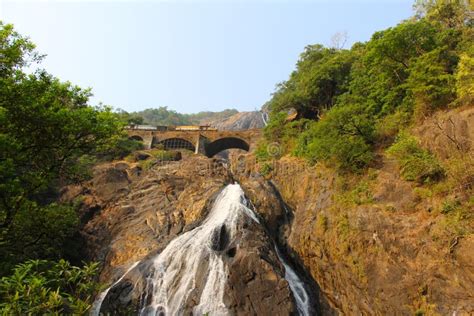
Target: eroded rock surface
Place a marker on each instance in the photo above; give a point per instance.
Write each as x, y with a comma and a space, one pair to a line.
137, 213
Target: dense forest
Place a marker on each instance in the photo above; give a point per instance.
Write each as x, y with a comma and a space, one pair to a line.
352, 105
164, 116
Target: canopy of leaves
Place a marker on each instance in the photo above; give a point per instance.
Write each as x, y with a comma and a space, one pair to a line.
344, 137
39, 287
49, 136
321, 76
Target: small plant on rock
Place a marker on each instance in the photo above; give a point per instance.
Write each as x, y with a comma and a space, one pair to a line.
416, 163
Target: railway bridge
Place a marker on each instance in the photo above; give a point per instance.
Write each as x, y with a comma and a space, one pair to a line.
200, 139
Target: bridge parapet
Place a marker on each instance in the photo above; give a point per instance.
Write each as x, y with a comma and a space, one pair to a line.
207, 142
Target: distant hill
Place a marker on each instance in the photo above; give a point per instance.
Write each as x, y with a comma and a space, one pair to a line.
240, 121
229, 119
165, 116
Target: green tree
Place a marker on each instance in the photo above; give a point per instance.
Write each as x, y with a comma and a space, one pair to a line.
465, 77
343, 138
431, 81
48, 138
320, 77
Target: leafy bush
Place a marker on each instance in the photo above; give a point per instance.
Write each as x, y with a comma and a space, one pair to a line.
163, 155
147, 164
344, 138
261, 152
123, 147
417, 164
38, 232
39, 287
431, 81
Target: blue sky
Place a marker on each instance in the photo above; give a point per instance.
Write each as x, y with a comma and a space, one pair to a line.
188, 55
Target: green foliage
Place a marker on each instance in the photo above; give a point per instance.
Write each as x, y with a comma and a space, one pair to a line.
280, 135
38, 232
49, 137
39, 287
448, 13
343, 138
401, 74
157, 156
147, 164
130, 118
123, 147
465, 77
163, 116
358, 195
388, 127
320, 77
431, 81
16, 51
261, 152
163, 155
416, 163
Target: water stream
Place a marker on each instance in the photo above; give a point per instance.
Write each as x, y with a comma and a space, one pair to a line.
196, 258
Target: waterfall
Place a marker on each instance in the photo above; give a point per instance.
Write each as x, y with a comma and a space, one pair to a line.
265, 118
196, 257
297, 287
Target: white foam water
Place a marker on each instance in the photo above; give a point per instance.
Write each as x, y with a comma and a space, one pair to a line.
191, 256
196, 257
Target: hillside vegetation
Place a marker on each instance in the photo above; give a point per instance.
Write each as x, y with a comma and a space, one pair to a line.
352, 103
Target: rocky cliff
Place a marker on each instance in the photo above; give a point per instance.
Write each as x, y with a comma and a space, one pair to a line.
135, 213
377, 244
240, 121
370, 244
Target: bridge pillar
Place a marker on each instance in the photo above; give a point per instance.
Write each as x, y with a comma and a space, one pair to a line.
201, 144
148, 141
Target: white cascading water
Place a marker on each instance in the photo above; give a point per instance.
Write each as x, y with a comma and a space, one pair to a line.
265, 118
175, 271
297, 287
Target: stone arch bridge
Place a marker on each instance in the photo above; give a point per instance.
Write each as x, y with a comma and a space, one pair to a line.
207, 142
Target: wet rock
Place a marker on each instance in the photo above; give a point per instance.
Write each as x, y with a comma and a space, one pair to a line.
219, 239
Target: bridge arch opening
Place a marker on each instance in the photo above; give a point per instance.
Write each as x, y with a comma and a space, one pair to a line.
221, 144
177, 143
136, 137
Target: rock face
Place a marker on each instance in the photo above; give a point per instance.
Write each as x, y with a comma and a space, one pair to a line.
136, 214
383, 248
241, 121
